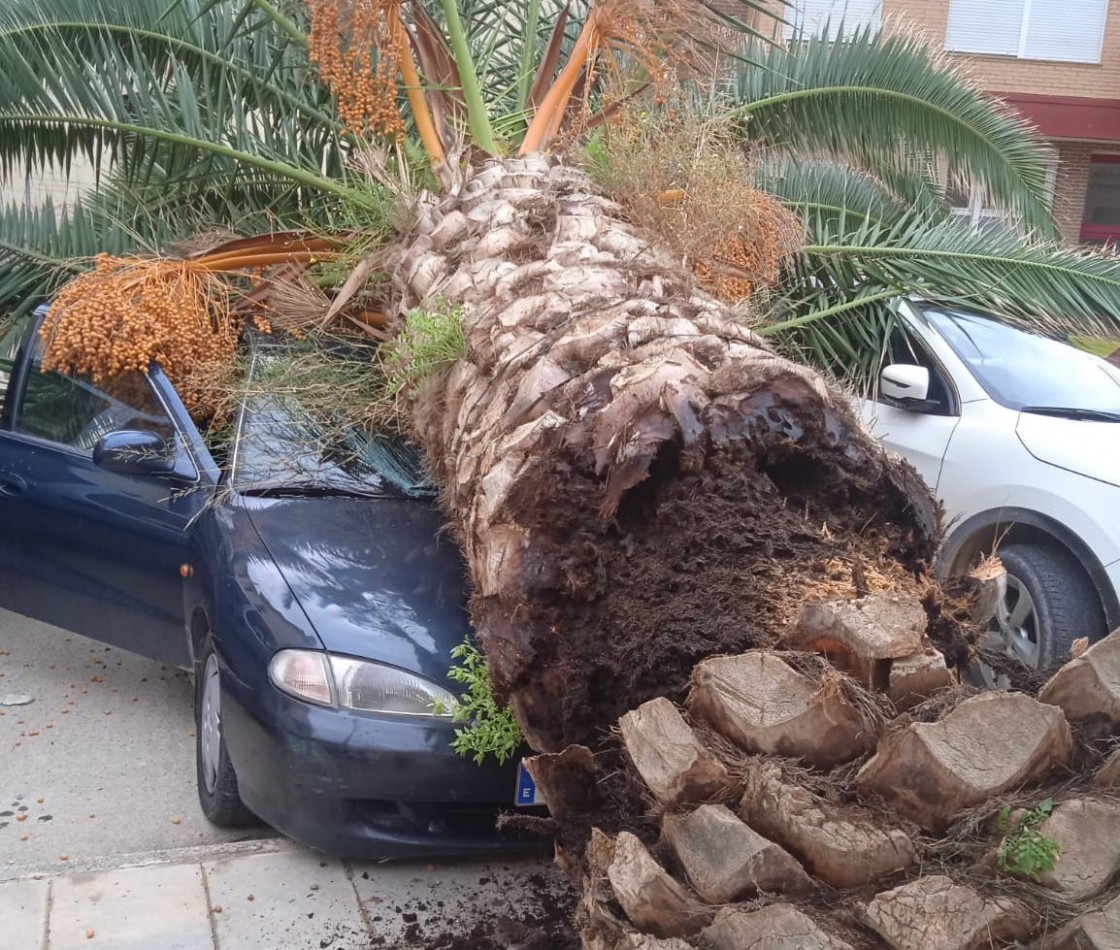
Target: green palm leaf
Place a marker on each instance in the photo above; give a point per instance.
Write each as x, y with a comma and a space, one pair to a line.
885, 101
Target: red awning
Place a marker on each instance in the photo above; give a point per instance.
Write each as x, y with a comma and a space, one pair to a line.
1069, 117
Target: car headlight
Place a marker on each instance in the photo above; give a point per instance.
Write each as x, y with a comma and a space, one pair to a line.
348, 683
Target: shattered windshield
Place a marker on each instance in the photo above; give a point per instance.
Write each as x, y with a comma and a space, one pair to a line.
288, 443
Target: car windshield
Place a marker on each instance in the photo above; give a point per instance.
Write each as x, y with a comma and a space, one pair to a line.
285, 447
1024, 371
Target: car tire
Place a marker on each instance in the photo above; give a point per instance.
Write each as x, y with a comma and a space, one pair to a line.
217, 783
1050, 602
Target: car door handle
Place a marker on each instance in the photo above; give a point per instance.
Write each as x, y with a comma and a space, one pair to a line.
12, 485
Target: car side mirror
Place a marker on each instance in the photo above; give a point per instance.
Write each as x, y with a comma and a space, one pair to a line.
134, 452
905, 383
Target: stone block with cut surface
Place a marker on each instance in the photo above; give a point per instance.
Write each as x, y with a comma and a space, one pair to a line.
860, 635
989, 744
1096, 930
1088, 847
762, 704
1089, 685
775, 927
668, 756
843, 845
653, 900
914, 679
933, 913
726, 861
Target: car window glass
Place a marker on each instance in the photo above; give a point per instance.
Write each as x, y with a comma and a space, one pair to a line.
904, 349
11, 333
73, 412
1018, 368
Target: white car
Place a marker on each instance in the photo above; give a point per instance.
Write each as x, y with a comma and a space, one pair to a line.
1019, 436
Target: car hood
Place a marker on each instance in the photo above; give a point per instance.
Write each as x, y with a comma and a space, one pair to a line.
1086, 447
376, 577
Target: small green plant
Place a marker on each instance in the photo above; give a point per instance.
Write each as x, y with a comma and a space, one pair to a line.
431, 339
492, 729
1025, 851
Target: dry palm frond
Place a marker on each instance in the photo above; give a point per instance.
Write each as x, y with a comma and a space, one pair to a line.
659, 44
687, 180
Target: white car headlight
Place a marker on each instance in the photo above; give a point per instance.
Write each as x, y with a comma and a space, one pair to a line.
348, 683
303, 674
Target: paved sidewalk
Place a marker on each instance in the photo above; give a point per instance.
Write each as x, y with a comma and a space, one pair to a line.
270, 895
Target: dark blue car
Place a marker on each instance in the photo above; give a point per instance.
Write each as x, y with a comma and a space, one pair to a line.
306, 584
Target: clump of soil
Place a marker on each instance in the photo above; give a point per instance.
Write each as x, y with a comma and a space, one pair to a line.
548, 926
709, 562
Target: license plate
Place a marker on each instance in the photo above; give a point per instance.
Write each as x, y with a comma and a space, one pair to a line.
527, 794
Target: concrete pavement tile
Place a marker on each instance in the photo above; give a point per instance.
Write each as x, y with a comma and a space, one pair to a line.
23, 912
146, 908
413, 905
300, 901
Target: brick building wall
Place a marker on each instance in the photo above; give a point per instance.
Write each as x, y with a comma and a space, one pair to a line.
1043, 90
1007, 74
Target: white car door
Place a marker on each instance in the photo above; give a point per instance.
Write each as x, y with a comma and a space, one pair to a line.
921, 436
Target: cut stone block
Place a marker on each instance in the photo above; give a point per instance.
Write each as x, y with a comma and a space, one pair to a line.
1096, 930
763, 705
843, 845
860, 635
1088, 847
646, 942
774, 927
913, 679
726, 861
668, 756
990, 743
651, 898
1088, 686
1108, 774
933, 913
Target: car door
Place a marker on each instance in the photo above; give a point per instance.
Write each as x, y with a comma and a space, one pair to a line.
94, 551
921, 436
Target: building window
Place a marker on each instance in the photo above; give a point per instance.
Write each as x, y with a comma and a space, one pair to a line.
809, 17
1069, 31
967, 201
1100, 224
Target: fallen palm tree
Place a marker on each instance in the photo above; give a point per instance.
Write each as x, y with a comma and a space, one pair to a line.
702, 588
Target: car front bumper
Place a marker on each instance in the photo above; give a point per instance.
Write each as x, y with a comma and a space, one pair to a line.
362, 786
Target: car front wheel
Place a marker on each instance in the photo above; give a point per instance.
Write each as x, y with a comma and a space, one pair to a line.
1050, 602
217, 783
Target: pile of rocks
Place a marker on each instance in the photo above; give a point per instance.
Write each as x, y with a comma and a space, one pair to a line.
807, 811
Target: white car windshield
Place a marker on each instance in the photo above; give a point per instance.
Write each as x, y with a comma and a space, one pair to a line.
1024, 371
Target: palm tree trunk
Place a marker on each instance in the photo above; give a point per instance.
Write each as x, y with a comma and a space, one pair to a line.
637, 481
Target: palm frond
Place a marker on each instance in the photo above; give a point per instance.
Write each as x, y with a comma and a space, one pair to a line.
834, 310
877, 98
123, 83
40, 249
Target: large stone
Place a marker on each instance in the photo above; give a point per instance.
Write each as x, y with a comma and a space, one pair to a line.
843, 845
933, 913
649, 895
1089, 685
668, 756
726, 861
1096, 930
914, 679
774, 927
989, 744
762, 704
1108, 775
1088, 847
861, 636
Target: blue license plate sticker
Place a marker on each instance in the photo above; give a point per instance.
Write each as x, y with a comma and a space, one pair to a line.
527, 794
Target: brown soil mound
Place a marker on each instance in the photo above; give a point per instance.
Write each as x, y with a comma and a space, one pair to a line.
708, 562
